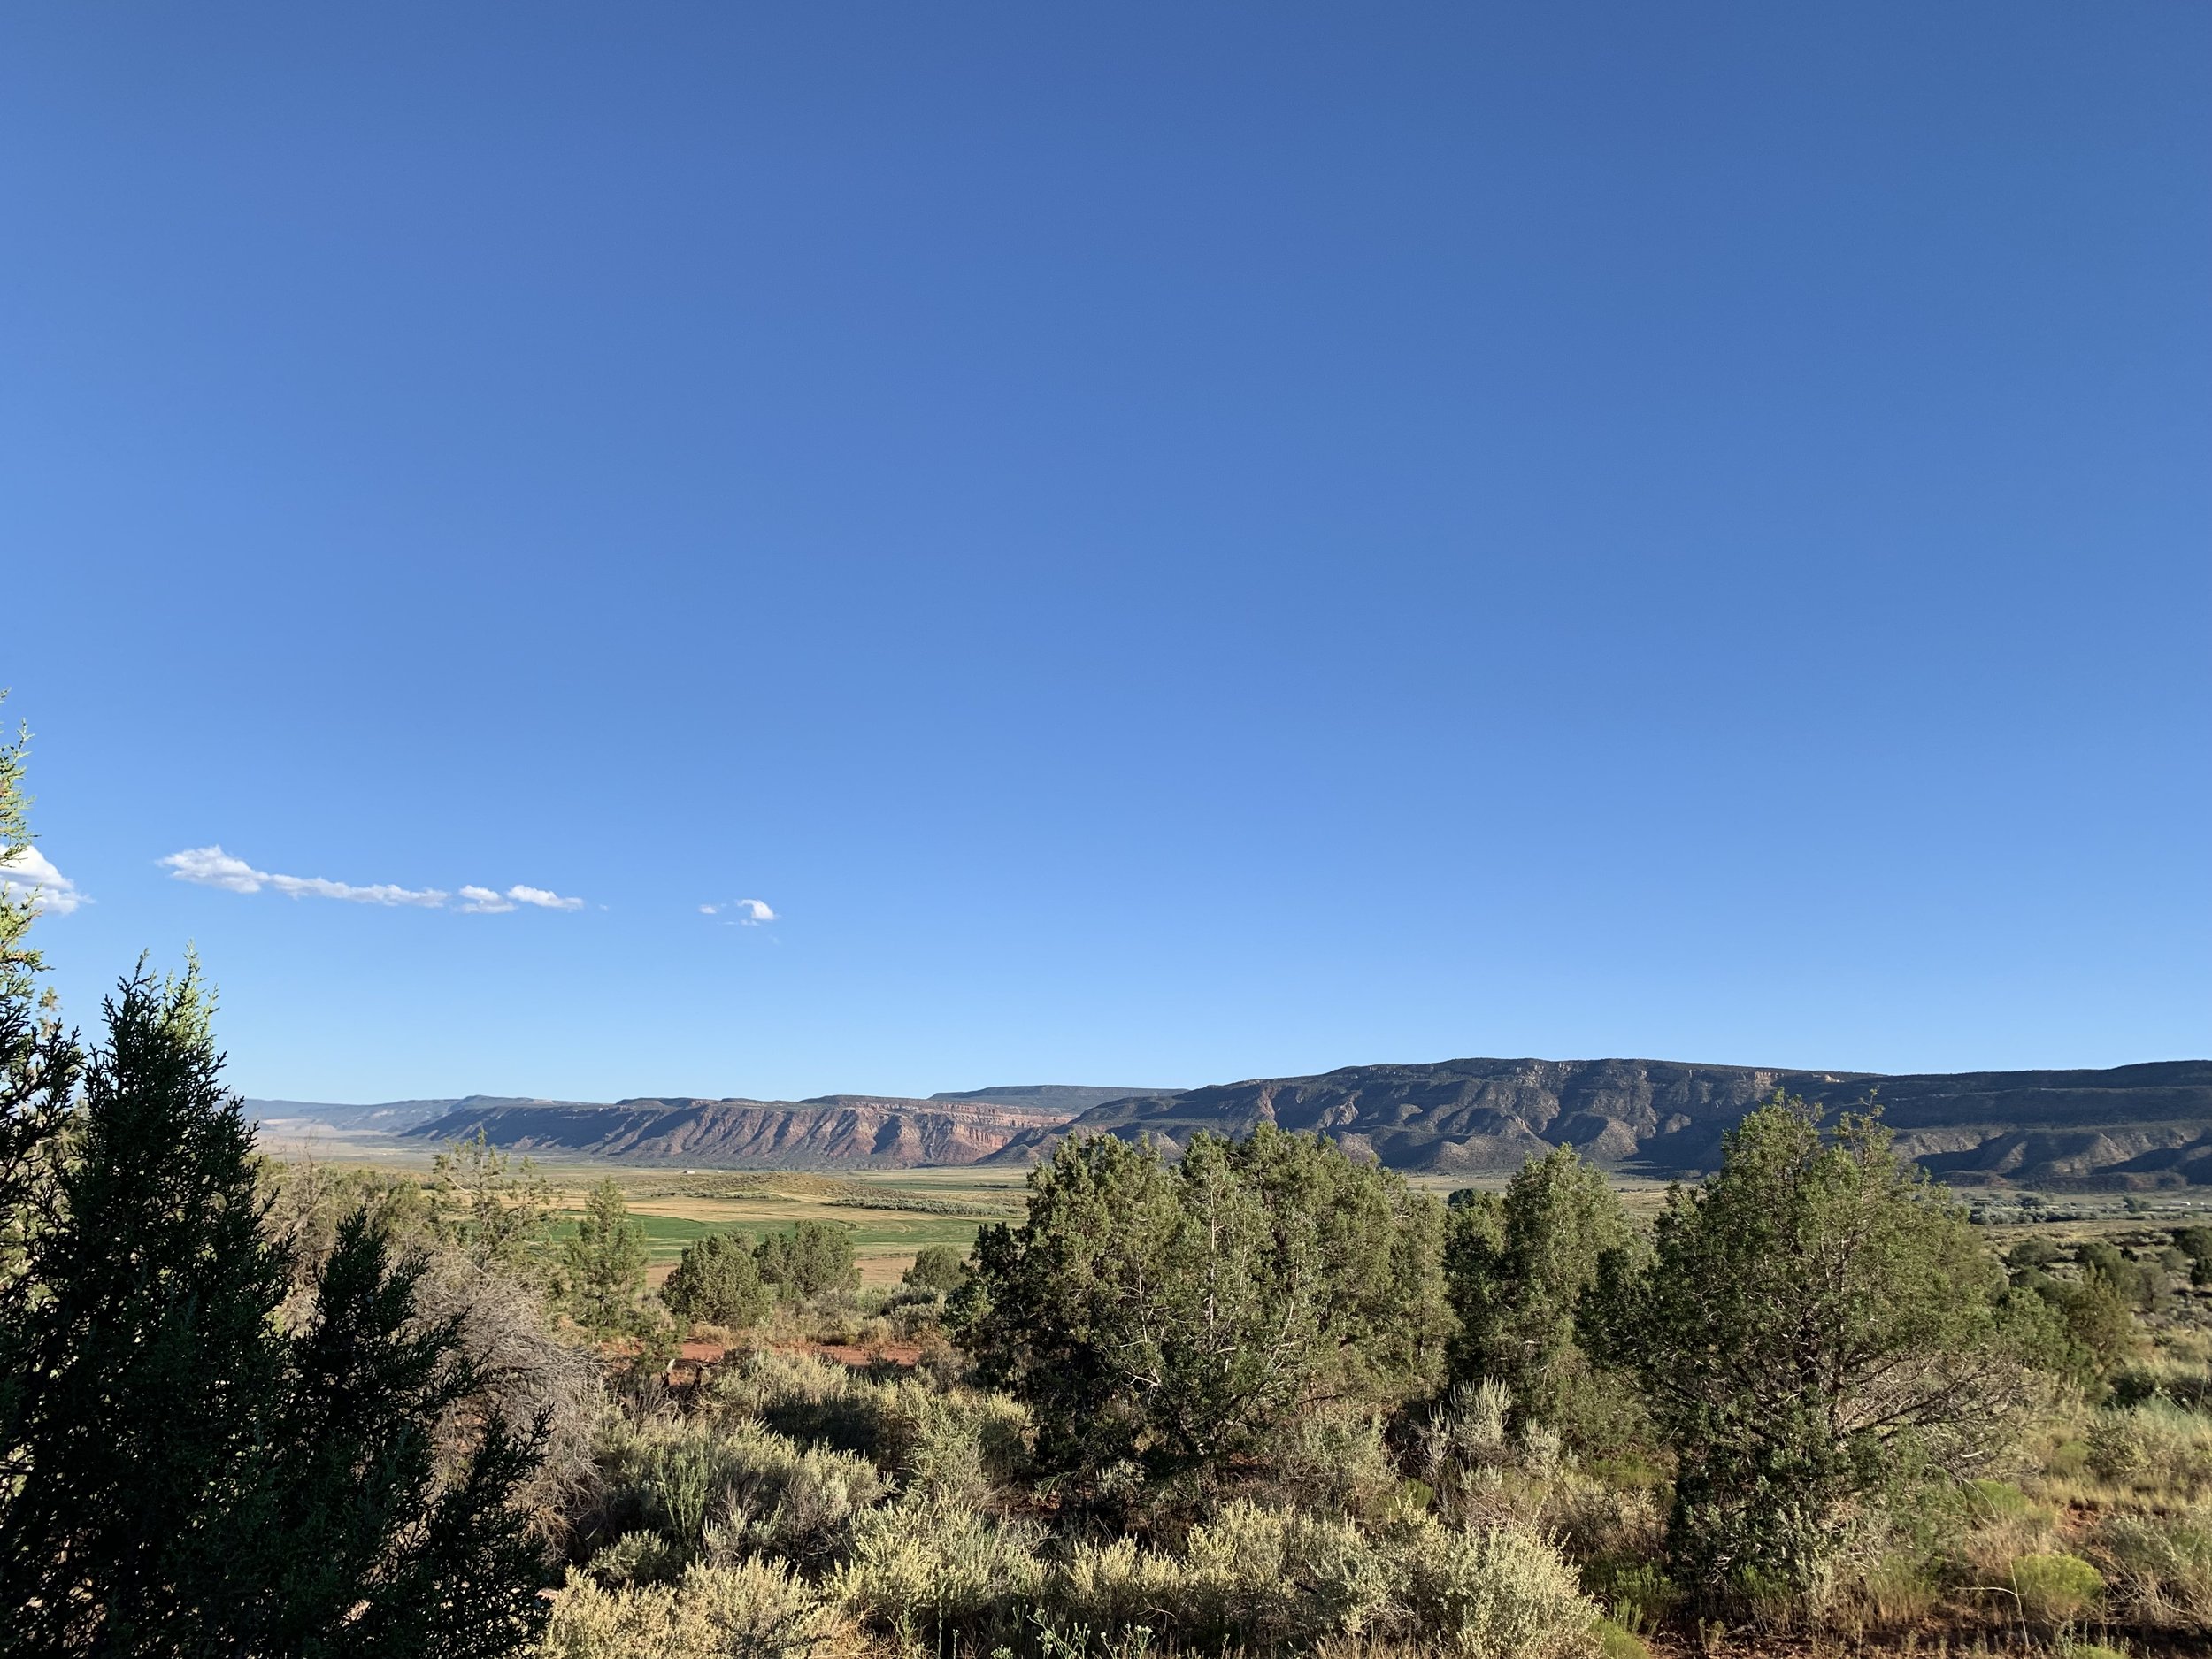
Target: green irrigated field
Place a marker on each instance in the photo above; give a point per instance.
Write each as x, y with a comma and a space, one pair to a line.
891, 1216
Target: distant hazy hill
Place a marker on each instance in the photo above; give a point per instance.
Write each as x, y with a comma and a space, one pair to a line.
384, 1117
2139, 1126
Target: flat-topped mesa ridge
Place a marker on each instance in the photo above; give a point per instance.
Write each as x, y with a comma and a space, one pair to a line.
842, 1130
2128, 1126
2135, 1126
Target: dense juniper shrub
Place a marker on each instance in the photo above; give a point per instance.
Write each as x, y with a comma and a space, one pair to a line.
1522, 1266
1816, 1324
1176, 1320
812, 1259
718, 1282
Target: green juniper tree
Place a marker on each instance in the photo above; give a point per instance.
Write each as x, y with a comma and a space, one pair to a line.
147, 1368
2079, 1330
2195, 1245
1178, 1318
2135, 1286
812, 1258
1817, 1323
191, 1479
1521, 1264
717, 1281
602, 1265
938, 1267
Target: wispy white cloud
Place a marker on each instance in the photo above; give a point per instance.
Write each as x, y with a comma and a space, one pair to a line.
213, 867
27, 873
484, 902
543, 899
742, 912
377, 893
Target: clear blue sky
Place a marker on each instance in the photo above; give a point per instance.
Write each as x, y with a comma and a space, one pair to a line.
1162, 543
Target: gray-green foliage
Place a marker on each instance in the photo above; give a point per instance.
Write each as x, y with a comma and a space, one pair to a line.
1334, 1460
491, 1208
729, 1488
822, 1430
1520, 1264
2156, 1447
718, 1281
942, 1566
1492, 1593
1172, 1319
1818, 1320
1250, 1578
954, 1444
751, 1608
926, 1565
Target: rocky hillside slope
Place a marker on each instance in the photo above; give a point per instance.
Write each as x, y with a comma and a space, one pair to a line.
2132, 1127
384, 1117
858, 1131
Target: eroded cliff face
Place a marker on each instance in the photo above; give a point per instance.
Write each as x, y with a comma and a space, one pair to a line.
2133, 1126
2145, 1125
1468, 1114
847, 1129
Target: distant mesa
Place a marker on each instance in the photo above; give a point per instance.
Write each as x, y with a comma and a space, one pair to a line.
387, 1118
846, 1131
1069, 1097
2128, 1127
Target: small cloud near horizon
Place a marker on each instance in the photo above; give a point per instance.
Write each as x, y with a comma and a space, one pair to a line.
742, 912
213, 867
28, 874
